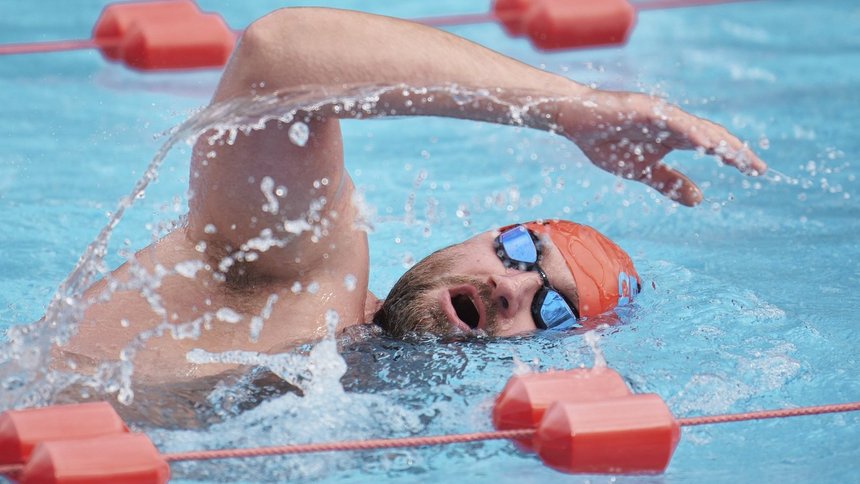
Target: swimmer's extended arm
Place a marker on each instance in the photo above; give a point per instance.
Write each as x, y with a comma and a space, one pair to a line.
319, 46
624, 133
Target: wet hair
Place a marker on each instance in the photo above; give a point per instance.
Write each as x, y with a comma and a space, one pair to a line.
408, 308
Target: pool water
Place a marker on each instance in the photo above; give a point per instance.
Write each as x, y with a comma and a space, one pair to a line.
749, 300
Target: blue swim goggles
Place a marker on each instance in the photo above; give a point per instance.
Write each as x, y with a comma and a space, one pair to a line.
520, 248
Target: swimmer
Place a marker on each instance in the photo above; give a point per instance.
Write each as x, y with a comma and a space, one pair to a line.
513, 280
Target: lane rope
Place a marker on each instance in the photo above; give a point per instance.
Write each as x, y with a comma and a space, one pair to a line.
767, 414
349, 445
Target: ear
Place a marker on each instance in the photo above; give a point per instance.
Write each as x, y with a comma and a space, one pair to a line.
372, 304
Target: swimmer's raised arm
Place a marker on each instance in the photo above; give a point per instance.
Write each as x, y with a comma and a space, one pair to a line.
331, 47
624, 133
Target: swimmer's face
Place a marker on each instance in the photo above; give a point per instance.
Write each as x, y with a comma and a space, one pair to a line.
480, 293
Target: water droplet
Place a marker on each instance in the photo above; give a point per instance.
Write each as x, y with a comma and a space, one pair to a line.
267, 186
299, 133
209, 229
350, 282
255, 328
228, 315
188, 268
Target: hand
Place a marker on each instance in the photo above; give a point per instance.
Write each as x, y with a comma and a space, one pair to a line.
629, 134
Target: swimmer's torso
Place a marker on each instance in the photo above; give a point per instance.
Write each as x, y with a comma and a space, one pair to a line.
254, 314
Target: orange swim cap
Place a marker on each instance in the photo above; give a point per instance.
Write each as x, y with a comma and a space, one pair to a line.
603, 272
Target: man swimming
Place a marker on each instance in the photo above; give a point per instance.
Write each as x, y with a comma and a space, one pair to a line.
254, 269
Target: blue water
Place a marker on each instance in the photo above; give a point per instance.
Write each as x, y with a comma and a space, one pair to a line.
750, 300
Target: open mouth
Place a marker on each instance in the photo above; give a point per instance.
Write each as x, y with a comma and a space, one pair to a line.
464, 308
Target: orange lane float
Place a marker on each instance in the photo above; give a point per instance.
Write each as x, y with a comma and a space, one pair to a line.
128, 458
588, 421
567, 24
525, 398
634, 434
86, 442
159, 35
154, 35
512, 14
561, 24
22, 430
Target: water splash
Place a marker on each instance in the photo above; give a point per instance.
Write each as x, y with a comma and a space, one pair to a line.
256, 326
592, 339
27, 356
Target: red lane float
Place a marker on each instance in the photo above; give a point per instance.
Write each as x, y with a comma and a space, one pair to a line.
567, 24
116, 21
588, 421
22, 430
512, 14
159, 35
634, 434
525, 398
125, 458
79, 443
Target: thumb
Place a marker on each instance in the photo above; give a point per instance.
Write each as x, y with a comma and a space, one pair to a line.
673, 184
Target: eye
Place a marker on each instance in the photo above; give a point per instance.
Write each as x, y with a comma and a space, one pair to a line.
466, 310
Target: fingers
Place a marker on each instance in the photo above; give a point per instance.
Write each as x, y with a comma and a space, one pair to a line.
672, 184
696, 133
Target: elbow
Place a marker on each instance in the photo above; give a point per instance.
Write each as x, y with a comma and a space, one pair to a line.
278, 49
275, 52
260, 38
263, 49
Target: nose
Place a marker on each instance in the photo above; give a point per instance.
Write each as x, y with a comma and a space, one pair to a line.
513, 292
